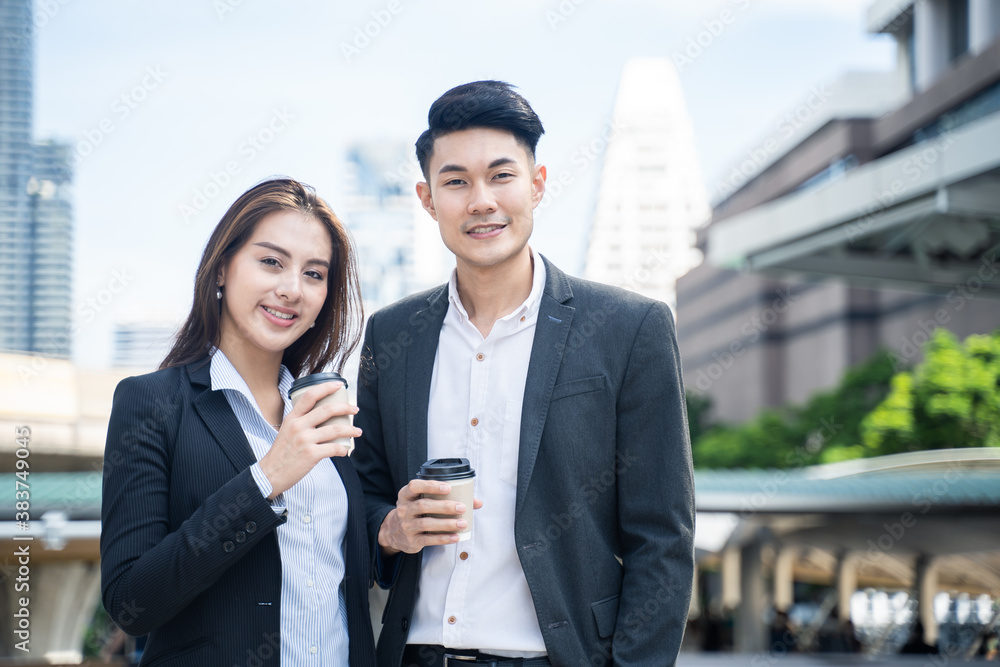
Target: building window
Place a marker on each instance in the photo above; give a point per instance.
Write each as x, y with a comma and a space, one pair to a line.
958, 24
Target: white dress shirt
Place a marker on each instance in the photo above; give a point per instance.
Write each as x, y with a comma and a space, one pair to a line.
313, 608
473, 594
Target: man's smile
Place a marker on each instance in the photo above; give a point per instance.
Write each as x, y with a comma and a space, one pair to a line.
485, 230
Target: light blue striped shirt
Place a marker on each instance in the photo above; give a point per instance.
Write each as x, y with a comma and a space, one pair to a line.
313, 608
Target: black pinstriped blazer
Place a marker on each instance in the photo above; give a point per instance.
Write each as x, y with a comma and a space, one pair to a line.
188, 549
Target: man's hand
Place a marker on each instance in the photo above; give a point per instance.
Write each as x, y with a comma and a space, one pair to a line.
407, 529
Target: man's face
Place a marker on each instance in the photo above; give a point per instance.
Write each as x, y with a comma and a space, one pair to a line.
481, 189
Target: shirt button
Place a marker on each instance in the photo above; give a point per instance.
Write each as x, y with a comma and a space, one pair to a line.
309, 582
313, 649
464, 555
307, 518
522, 318
452, 620
480, 356
474, 421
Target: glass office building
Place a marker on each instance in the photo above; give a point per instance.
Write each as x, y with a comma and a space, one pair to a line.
35, 205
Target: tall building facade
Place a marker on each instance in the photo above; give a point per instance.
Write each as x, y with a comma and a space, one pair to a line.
380, 216
50, 234
398, 247
651, 197
868, 220
398, 244
35, 205
16, 69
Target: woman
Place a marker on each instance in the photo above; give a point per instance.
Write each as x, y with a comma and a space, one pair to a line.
233, 527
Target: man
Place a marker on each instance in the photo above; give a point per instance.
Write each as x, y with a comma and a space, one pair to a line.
565, 396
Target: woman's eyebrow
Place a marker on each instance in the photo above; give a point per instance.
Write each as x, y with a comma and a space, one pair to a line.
282, 251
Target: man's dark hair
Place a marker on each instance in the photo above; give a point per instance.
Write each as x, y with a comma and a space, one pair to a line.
490, 104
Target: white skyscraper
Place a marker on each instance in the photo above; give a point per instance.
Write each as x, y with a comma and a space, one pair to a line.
651, 197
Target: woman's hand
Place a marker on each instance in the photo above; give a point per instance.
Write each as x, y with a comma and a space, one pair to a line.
301, 443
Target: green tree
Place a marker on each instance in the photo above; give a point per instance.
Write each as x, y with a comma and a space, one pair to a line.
766, 442
835, 417
952, 399
823, 430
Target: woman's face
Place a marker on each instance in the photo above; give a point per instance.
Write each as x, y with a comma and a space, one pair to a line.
275, 285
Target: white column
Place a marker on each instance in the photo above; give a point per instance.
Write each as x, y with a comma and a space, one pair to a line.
694, 610
927, 588
847, 584
930, 30
904, 66
730, 578
749, 631
784, 580
984, 24
64, 595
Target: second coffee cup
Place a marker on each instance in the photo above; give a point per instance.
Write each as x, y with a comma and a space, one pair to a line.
340, 396
460, 476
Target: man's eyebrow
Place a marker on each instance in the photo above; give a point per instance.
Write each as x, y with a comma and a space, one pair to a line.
496, 163
282, 251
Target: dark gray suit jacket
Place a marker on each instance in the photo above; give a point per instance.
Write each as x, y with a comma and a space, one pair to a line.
604, 518
188, 549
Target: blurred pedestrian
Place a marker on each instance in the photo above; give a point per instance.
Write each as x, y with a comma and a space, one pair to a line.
916, 645
990, 648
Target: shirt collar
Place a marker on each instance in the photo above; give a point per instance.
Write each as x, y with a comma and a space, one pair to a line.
528, 309
225, 376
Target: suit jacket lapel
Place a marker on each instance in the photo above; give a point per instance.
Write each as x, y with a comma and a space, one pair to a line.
417, 382
214, 410
551, 331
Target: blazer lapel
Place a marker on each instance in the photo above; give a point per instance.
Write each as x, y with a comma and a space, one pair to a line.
551, 331
419, 368
214, 410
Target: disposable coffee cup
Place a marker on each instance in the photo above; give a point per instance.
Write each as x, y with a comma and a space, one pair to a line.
458, 474
300, 386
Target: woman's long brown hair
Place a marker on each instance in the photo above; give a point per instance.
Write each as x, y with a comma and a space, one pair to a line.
338, 326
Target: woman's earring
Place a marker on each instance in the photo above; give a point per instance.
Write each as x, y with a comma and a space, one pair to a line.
313, 324
218, 293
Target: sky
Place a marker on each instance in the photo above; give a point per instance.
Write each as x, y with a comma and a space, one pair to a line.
175, 108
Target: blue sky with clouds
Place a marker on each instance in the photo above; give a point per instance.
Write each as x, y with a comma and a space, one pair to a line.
158, 96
